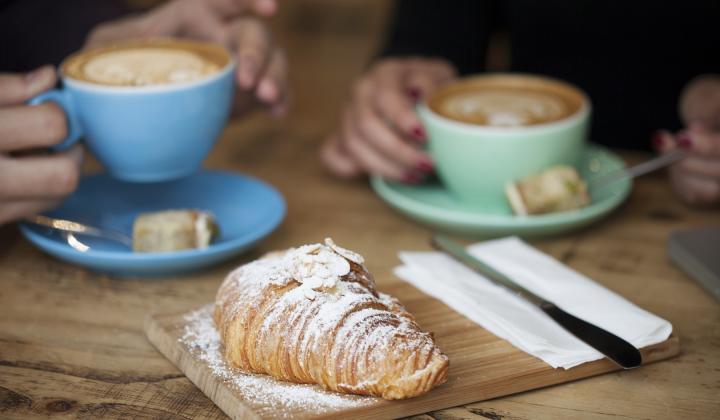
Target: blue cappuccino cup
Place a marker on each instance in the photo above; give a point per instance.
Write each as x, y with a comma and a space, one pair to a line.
147, 132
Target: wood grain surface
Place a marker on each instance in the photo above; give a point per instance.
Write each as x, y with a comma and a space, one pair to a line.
72, 342
482, 366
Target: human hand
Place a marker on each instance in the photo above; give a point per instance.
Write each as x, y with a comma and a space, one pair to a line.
379, 132
261, 74
696, 178
32, 182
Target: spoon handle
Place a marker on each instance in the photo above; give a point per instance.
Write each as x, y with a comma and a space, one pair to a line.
75, 227
637, 170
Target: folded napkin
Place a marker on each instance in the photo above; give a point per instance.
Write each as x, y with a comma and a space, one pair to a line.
521, 323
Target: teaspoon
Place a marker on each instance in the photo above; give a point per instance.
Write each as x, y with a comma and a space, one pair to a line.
71, 228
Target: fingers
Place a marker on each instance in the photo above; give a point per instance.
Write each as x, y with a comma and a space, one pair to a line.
265, 7
695, 190
393, 103
700, 166
29, 185
379, 131
232, 8
696, 178
15, 210
337, 160
192, 18
369, 126
420, 85
16, 89
700, 140
25, 127
700, 101
40, 178
252, 42
195, 20
272, 88
154, 23
426, 76
184, 18
378, 149
371, 160
261, 68
442, 69
664, 141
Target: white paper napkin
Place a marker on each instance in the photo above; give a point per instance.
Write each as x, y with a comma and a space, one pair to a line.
519, 322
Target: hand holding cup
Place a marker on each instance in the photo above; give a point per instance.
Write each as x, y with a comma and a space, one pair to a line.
261, 74
379, 132
30, 180
696, 178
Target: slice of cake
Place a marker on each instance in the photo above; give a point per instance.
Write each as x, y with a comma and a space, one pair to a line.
173, 230
558, 188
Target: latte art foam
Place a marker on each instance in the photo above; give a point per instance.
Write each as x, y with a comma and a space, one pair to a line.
148, 66
507, 100
147, 62
506, 108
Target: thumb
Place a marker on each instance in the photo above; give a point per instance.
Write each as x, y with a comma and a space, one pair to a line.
18, 88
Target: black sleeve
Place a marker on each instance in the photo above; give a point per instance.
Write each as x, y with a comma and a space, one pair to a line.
457, 30
37, 32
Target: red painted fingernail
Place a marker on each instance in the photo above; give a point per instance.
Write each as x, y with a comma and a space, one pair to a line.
684, 140
658, 140
418, 132
414, 93
412, 178
426, 165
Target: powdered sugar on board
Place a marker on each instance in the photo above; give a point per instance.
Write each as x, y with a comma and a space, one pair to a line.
276, 398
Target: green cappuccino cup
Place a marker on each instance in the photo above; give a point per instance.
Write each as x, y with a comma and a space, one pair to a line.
485, 131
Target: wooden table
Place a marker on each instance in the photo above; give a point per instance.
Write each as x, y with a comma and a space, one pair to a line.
71, 341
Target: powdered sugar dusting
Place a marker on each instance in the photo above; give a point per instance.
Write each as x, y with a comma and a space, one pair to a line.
273, 397
313, 314
316, 267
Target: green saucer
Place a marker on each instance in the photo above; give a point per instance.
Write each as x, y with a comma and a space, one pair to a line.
432, 204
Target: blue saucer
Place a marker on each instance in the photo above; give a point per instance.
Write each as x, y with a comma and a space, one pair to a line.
246, 209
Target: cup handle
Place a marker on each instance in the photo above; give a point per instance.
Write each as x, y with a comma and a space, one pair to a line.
63, 99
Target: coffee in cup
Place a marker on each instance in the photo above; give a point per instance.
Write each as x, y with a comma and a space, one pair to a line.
145, 63
150, 110
485, 131
500, 101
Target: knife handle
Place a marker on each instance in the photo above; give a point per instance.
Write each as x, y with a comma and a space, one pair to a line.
615, 348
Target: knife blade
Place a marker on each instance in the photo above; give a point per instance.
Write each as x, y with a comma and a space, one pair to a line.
613, 347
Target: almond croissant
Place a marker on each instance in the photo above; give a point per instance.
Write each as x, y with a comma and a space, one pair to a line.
312, 315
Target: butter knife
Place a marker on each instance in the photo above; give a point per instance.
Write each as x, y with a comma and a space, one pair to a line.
613, 347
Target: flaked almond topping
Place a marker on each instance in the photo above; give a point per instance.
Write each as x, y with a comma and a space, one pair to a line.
350, 255
315, 266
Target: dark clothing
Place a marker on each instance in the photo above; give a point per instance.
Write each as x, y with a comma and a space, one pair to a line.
632, 58
37, 32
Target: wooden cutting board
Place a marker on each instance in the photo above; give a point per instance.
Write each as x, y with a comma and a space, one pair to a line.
482, 366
